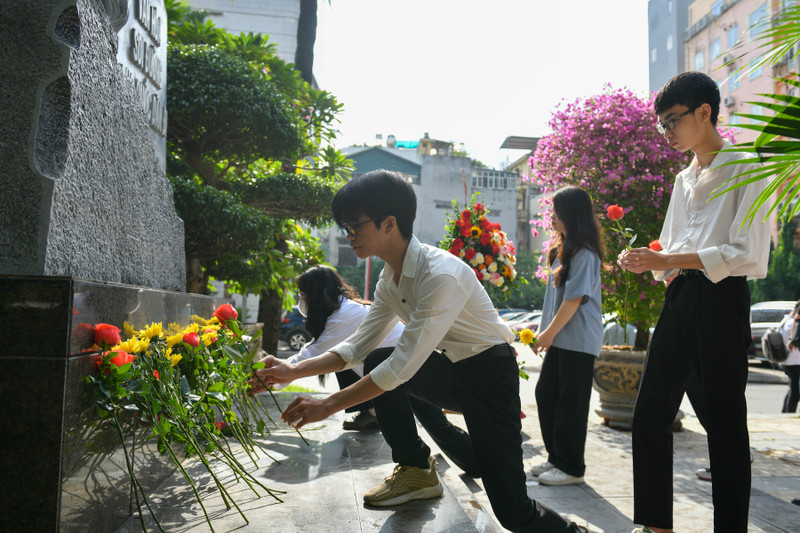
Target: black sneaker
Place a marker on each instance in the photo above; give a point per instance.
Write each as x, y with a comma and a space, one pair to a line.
362, 420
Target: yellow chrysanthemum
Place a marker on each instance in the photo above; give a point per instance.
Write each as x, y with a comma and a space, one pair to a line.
174, 328
153, 330
505, 271
172, 340
192, 328
200, 320
174, 358
209, 338
526, 337
128, 329
212, 327
133, 345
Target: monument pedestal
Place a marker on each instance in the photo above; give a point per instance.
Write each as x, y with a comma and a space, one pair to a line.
62, 469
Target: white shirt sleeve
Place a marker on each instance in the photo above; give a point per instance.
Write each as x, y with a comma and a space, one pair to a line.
440, 300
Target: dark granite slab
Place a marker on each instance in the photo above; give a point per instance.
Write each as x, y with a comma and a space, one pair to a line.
55, 446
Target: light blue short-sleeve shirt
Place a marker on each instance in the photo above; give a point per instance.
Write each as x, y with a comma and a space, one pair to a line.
584, 331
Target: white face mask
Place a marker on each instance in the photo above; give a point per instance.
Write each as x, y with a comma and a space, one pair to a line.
302, 306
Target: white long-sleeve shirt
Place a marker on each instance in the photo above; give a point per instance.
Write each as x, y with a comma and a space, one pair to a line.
713, 227
342, 323
444, 307
786, 333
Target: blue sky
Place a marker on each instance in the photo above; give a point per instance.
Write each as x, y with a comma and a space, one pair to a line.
473, 72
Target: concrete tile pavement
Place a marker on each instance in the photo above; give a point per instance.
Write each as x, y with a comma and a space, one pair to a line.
324, 483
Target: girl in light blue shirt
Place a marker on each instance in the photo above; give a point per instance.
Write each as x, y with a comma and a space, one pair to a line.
570, 334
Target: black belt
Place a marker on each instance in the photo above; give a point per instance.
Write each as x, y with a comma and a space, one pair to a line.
498, 350
690, 272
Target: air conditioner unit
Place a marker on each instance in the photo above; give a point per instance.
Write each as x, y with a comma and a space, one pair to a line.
729, 101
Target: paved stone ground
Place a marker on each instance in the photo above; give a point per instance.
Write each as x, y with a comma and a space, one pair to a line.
324, 483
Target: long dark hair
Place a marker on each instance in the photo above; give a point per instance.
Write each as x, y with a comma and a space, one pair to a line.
574, 208
323, 289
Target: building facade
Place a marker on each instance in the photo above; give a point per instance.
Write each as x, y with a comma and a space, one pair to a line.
438, 180
666, 20
717, 39
276, 18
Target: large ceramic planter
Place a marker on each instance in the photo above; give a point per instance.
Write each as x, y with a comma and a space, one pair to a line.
617, 374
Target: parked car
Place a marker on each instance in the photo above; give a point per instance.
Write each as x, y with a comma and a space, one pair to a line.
510, 313
763, 316
293, 329
530, 321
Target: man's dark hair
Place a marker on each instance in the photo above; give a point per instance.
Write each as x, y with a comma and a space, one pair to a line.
691, 89
378, 194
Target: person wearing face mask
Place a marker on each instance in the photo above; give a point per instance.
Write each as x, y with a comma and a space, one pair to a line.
333, 311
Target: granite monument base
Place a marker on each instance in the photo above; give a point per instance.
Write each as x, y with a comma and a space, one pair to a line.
62, 468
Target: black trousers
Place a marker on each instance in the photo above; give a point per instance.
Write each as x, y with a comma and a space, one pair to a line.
485, 388
345, 378
563, 392
793, 396
703, 328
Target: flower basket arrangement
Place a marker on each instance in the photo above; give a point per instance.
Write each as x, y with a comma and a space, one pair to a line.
484, 246
189, 386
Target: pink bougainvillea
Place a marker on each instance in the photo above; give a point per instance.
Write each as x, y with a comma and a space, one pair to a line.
608, 145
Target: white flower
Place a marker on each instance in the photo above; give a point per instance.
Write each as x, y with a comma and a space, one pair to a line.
492, 267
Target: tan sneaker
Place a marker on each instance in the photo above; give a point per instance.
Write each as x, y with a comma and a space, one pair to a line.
405, 484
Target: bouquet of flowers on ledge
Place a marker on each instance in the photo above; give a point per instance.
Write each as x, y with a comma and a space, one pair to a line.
484, 247
188, 385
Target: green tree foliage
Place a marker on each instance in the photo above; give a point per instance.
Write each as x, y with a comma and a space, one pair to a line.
223, 113
783, 275
248, 155
530, 295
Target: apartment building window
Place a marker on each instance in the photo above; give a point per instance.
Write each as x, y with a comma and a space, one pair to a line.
669, 42
756, 70
758, 21
669, 7
699, 60
757, 110
733, 35
735, 120
736, 81
716, 8
654, 55
715, 49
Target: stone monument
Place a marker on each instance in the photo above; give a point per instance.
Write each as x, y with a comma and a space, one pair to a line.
82, 130
88, 234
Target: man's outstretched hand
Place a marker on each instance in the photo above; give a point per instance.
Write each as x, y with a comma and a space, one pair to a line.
275, 371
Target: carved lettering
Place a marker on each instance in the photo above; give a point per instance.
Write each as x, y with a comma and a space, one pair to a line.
148, 17
144, 55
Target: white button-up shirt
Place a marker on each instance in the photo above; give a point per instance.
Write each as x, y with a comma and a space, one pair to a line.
342, 323
444, 307
713, 227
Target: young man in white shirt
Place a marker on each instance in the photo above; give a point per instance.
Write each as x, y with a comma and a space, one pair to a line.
453, 353
709, 252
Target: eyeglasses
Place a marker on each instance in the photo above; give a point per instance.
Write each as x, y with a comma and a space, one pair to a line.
667, 125
351, 230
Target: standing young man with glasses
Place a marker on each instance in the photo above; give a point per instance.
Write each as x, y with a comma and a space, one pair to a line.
454, 353
709, 253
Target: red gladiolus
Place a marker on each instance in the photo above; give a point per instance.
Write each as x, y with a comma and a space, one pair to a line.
486, 238
655, 246
458, 244
479, 208
226, 312
106, 335
615, 212
466, 215
122, 358
192, 339
469, 253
